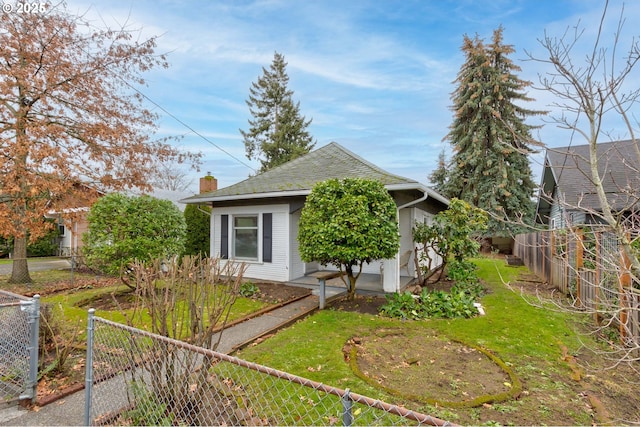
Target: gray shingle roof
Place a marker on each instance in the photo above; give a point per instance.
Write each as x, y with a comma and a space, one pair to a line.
301, 174
618, 165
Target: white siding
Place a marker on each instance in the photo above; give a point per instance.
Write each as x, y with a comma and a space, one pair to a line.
297, 266
407, 219
66, 242
373, 267
425, 217
278, 269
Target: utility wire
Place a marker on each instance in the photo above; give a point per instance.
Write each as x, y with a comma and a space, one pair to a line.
186, 125
176, 118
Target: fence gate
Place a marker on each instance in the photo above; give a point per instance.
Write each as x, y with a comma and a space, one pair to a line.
19, 322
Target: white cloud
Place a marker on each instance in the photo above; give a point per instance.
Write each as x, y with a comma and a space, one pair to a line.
374, 76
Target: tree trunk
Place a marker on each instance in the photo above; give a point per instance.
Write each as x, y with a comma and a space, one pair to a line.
20, 269
351, 295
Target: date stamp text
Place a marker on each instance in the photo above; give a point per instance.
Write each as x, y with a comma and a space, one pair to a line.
24, 7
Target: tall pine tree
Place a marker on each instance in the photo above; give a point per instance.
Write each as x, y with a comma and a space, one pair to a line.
438, 177
277, 132
490, 138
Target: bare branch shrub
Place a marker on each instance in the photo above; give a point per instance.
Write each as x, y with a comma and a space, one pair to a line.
187, 299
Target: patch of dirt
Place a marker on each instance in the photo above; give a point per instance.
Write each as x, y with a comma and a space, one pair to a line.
448, 374
442, 285
275, 293
67, 286
360, 304
269, 292
531, 285
612, 390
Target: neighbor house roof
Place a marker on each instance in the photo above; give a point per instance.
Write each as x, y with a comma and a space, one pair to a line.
568, 170
299, 176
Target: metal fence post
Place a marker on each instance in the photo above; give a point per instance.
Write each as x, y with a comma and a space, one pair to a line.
347, 404
32, 308
88, 382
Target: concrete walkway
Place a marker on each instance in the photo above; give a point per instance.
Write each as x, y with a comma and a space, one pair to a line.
70, 409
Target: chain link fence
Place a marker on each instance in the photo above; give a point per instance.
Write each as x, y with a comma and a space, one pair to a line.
19, 323
17, 275
45, 270
134, 377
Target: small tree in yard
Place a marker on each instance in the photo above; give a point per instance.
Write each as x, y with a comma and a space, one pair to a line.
123, 229
594, 90
450, 238
346, 223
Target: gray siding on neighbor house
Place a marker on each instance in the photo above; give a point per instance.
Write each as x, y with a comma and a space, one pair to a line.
560, 216
555, 216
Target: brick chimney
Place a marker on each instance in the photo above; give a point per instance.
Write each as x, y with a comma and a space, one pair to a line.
208, 183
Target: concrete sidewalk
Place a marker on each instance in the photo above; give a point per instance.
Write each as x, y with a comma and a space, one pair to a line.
39, 264
70, 409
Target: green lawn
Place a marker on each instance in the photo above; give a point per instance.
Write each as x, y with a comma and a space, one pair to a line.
73, 306
529, 339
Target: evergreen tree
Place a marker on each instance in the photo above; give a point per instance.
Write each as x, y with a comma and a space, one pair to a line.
277, 133
438, 178
490, 138
198, 234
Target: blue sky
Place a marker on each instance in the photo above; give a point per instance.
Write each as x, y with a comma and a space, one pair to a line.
375, 76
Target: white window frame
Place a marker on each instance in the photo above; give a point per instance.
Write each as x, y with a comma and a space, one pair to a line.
258, 228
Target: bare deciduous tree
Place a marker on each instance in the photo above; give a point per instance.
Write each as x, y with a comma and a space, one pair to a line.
588, 92
591, 91
171, 176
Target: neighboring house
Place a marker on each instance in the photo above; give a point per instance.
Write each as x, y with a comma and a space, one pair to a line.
256, 220
567, 193
71, 217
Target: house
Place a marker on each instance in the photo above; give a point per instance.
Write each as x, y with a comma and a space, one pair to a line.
72, 209
256, 220
70, 214
567, 193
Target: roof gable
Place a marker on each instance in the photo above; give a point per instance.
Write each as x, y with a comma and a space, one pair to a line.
568, 170
301, 174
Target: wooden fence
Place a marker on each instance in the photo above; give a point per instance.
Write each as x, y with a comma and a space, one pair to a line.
586, 265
